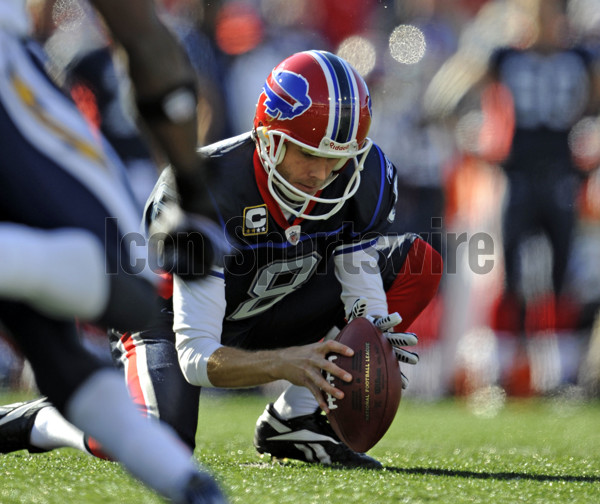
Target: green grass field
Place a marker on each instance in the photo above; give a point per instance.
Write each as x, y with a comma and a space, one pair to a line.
536, 451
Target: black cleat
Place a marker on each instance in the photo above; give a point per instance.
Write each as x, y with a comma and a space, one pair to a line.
309, 438
202, 489
16, 423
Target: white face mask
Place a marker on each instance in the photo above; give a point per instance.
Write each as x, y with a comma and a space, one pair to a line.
271, 145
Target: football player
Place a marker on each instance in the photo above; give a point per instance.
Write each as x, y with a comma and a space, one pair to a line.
64, 207
307, 201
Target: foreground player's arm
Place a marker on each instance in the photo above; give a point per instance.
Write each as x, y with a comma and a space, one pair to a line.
160, 70
199, 309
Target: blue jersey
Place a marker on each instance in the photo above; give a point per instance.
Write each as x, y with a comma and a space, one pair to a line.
266, 266
551, 93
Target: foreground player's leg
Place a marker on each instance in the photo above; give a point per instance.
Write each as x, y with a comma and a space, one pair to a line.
94, 398
155, 384
101, 407
36, 426
62, 273
35, 262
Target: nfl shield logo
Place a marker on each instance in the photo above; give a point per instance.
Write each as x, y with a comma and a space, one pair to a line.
293, 234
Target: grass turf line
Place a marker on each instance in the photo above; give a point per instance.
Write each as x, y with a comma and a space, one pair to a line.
535, 451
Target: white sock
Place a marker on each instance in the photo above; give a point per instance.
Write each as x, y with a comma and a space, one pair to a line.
149, 450
51, 430
60, 272
295, 401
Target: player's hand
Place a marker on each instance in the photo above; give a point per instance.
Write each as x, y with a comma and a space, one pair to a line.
385, 324
307, 366
186, 244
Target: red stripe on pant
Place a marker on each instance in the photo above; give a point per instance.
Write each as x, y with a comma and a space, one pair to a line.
135, 391
133, 379
416, 283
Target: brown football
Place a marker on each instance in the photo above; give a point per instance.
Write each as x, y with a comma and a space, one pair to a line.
371, 399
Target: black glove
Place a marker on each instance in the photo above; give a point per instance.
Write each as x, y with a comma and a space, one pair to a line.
186, 244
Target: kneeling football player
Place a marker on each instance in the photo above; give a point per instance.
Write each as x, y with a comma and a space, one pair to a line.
307, 202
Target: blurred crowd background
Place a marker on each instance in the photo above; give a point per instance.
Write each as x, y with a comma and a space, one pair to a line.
517, 313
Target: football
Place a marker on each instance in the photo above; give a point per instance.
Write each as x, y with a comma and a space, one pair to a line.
371, 399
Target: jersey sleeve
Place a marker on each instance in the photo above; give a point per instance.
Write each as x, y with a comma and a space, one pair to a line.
199, 308
375, 201
356, 261
357, 270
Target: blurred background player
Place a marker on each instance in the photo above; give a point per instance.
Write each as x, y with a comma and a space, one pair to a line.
537, 91
311, 217
65, 205
553, 85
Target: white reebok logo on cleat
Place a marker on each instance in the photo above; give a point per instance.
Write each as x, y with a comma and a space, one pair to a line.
302, 435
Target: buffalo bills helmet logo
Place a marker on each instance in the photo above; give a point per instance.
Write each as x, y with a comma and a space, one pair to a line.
288, 96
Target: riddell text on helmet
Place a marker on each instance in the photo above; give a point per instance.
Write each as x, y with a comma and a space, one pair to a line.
338, 147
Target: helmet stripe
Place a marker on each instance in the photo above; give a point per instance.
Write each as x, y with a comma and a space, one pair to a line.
342, 125
355, 103
344, 109
332, 89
